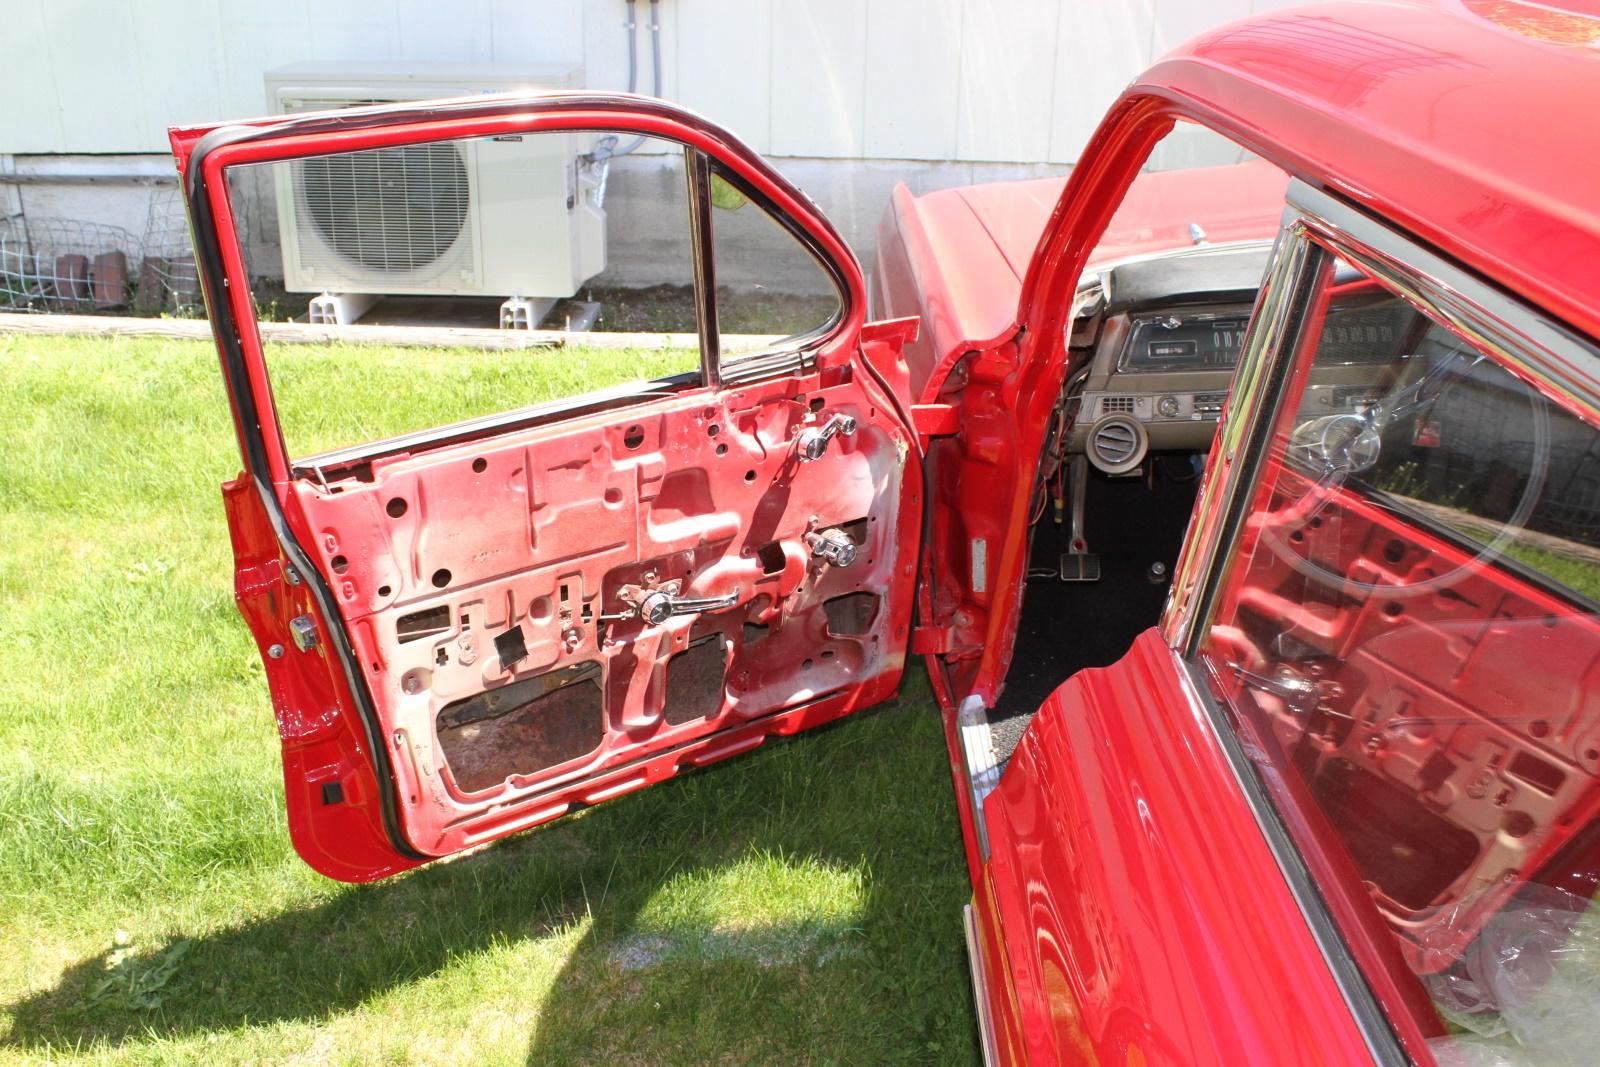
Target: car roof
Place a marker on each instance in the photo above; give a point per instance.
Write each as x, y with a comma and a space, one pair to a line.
1469, 123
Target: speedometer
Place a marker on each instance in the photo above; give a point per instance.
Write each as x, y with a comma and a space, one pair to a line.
1186, 340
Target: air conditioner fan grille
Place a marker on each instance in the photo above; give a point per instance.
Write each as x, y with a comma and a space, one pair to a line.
391, 210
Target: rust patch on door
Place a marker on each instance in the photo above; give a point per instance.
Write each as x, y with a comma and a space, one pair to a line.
524, 727
695, 680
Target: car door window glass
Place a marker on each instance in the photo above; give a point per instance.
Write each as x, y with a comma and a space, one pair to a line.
1408, 636
458, 247
772, 293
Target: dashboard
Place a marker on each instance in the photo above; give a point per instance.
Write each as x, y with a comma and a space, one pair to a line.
1156, 341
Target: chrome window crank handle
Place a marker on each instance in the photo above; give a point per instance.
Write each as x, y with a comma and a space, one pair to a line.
814, 441
657, 606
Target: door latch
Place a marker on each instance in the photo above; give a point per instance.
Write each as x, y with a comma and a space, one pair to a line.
659, 605
303, 629
831, 547
814, 441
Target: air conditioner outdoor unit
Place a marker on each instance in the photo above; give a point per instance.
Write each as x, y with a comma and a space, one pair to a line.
514, 217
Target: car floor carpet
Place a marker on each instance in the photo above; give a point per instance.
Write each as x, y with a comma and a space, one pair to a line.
1067, 626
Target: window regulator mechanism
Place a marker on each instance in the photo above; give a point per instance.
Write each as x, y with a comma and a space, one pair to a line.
831, 547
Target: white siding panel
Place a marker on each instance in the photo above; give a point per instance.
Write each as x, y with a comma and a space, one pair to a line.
605, 46
1008, 73
454, 32
1100, 48
97, 84
819, 70
977, 80
1176, 21
349, 29
33, 120
724, 64
541, 31
257, 35
913, 77
176, 52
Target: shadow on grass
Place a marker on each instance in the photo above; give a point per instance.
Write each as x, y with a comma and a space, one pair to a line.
656, 976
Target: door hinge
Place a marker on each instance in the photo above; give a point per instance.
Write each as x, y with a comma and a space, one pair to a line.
935, 420
932, 640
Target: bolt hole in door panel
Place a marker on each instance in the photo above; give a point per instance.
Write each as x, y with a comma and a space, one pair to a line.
529, 613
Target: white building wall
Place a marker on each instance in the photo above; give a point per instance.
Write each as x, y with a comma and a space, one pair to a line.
1018, 81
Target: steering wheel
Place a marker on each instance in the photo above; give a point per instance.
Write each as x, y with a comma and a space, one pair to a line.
1331, 448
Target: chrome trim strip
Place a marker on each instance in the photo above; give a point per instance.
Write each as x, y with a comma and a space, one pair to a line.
1532, 345
1092, 274
977, 754
1364, 1008
698, 176
980, 982
1536, 347
1243, 434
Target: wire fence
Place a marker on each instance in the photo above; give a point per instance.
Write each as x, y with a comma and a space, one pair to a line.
70, 265
64, 265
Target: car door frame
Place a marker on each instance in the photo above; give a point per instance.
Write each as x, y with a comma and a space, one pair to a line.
262, 527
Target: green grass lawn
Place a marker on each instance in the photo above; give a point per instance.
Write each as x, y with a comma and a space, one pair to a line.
797, 905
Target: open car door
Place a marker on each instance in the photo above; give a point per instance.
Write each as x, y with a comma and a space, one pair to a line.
474, 628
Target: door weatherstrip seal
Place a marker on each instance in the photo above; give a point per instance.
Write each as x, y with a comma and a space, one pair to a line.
214, 275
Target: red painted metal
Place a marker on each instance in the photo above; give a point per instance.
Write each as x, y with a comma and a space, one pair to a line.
956, 258
1460, 124
544, 525
1130, 900
1344, 95
321, 745
1143, 916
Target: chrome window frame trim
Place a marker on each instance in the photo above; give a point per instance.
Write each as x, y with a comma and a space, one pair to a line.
1533, 346
987, 1042
1235, 453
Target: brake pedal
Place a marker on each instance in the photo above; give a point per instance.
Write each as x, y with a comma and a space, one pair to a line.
1080, 567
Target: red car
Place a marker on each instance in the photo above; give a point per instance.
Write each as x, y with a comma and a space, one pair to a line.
1335, 804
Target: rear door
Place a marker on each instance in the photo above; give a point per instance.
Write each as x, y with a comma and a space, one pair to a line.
607, 564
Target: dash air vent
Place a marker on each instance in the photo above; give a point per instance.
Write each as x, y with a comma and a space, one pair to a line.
1117, 444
